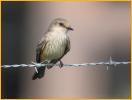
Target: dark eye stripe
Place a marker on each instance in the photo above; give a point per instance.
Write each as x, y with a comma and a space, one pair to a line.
61, 24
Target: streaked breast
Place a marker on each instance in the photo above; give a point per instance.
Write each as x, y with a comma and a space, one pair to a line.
55, 47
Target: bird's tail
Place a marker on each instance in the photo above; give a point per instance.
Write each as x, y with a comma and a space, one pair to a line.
40, 74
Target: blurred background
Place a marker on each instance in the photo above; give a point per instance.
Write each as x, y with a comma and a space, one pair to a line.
101, 30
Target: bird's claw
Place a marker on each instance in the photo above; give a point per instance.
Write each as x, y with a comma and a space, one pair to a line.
61, 64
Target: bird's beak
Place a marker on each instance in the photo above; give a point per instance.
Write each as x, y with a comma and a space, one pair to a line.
69, 28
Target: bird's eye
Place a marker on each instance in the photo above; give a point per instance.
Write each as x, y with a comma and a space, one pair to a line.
61, 24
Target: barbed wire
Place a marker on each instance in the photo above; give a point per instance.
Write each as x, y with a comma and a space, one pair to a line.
108, 63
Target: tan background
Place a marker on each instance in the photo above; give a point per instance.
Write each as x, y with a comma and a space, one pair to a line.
101, 30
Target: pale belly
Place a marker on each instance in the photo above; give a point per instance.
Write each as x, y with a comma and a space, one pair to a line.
54, 49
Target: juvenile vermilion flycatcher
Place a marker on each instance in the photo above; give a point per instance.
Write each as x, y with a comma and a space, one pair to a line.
53, 46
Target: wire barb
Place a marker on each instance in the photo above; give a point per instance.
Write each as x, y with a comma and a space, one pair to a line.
107, 63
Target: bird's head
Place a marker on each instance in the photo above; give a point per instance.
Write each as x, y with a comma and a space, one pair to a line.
60, 24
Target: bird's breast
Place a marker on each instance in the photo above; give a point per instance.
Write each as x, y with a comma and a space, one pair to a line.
55, 47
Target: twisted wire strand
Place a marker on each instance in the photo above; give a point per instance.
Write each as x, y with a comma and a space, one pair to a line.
107, 63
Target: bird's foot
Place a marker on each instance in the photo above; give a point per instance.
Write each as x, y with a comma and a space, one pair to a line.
47, 62
48, 67
61, 64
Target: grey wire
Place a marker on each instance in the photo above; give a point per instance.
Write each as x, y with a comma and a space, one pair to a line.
107, 63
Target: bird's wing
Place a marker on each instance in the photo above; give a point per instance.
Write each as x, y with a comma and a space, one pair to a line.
39, 49
67, 49
41, 70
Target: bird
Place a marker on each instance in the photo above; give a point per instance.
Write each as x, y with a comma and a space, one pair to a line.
53, 46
